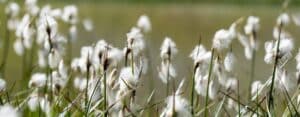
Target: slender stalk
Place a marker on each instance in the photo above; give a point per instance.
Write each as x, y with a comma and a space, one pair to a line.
208, 81
192, 93
238, 94
271, 101
86, 89
252, 72
193, 81
174, 96
168, 77
105, 96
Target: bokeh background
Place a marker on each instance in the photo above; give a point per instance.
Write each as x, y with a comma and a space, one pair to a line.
182, 20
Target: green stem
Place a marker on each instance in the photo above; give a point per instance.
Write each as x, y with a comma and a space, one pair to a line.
168, 77
192, 93
86, 90
105, 96
252, 72
238, 94
208, 81
252, 75
271, 101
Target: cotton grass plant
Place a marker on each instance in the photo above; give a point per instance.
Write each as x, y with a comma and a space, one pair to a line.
107, 80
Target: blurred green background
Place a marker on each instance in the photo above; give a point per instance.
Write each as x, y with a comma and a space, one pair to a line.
182, 20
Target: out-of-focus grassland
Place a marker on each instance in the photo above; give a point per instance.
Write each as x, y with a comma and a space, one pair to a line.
184, 23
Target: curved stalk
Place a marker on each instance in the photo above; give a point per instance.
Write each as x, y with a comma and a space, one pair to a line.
271, 101
208, 81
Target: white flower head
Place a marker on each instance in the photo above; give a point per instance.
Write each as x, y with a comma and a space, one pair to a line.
285, 48
62, 69
252, 25
8, 111
103, 52
80, 83
168, 49
283, 19
200, 55
232, 84
94, 89
166, 72
181, 106
229, 61
38, 80
12, 9
285, 81
135, 41
19, 47
70, 14
222, 39
298, 60
144, 23
33, 101
256, 87
201, 84
32, 7
88, 25
42, 56
45, 106
54, 58
213, 89
128, 79
2, 85
81, 64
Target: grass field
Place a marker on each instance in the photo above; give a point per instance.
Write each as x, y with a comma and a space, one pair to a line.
185, 23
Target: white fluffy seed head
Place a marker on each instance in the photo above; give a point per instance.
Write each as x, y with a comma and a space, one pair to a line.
232, 84
8, 111
255, 87
213, 90
33, 101
80, 83
135, 41
54, 58
298, 99
128, 79
166, 71
283, 19
298, 60
252, 25
201, 84
229, 61
200, 55
181, 106
19, 47
2, 85
32, 7
88, 25
70, 14
144, 23
62, 69
38, 80
222, 39
286, 46
168, 49
12, 9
